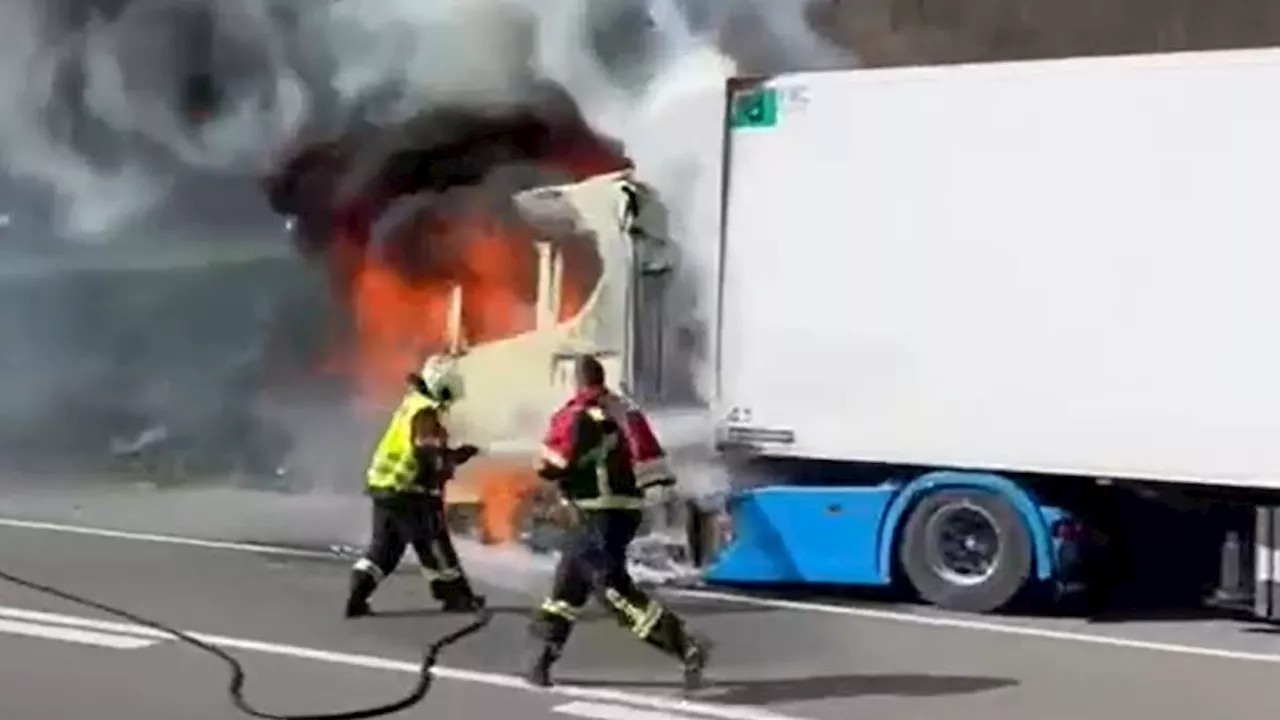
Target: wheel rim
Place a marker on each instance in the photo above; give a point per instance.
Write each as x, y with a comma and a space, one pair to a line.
964, 542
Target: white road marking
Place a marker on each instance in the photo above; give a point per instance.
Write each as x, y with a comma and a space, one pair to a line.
653, 702
114, 641
167, 539
910, 618
979, 625
605, 711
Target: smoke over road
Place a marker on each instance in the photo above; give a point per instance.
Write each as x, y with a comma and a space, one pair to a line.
151, 296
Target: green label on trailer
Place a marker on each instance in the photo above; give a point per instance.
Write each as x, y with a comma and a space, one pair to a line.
756, 108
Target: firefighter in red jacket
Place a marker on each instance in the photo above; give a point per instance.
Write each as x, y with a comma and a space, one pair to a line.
591, 451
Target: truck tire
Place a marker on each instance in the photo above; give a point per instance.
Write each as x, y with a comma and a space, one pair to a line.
966, 550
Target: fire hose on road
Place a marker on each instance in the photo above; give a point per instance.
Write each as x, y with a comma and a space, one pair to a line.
235, 688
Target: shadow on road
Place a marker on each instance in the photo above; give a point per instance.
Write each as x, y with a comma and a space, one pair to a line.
686, 608
762, 692
1155, 613
1136, 607
885, 598
437, 612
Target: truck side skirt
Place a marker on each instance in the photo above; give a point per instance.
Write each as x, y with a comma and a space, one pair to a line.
787, 534
848, 534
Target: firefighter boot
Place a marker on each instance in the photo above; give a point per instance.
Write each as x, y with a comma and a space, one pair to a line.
695, 662
550, 632
456, 596
362, 586
672, 637
538, 674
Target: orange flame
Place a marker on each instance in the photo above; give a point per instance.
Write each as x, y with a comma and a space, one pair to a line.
399, 295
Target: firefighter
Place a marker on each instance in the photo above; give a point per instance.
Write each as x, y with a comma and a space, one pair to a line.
590, 454
405, 480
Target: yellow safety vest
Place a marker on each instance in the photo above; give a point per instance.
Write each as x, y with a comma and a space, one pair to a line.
394, 466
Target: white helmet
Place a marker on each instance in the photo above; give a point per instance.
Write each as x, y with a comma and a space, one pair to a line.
439, 380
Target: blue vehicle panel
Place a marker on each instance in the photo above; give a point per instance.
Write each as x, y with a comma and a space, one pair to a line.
805, 535
848, 534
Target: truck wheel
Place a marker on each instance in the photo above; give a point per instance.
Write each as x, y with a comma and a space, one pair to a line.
966, 550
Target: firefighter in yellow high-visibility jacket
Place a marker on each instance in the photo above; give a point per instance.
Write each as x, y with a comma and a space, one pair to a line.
406, 480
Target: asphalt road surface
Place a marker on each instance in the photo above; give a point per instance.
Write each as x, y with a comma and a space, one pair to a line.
775, 660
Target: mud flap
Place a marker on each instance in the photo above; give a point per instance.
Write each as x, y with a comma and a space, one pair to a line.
1266, 596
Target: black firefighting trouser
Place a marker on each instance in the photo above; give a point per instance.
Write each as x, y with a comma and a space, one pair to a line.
593, 562
404, 519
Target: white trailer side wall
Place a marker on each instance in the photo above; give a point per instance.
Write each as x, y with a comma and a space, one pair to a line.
1063, 266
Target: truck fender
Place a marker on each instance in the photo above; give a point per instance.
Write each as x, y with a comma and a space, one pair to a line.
915, 490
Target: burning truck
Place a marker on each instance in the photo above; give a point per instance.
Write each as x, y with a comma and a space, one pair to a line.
511, 240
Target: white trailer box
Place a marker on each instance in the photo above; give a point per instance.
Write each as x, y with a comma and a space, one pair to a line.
1061, 266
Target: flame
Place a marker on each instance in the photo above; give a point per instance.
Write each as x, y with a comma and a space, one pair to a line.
399, 293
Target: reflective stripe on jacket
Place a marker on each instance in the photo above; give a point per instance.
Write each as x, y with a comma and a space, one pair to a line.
648, 458
590, 449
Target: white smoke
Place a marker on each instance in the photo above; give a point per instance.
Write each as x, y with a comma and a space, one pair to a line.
94, 107
94, 95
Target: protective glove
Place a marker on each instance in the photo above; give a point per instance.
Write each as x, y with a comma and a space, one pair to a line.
463, 453
551, 473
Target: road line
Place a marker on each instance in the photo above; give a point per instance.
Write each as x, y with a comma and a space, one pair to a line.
795, 605
653, 702
167, 539
978, 625
74, 635
605, 711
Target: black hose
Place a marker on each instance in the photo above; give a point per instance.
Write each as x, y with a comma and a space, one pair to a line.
235, 689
